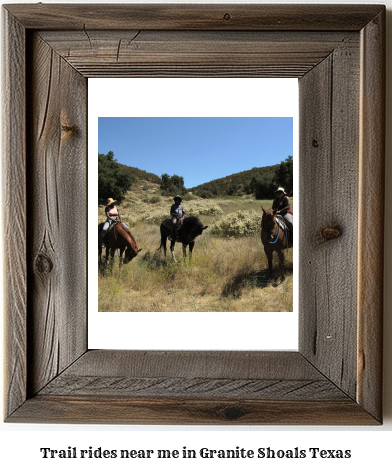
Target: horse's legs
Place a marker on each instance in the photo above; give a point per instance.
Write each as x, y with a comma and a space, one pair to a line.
184, 250
268, 252
163, 242
112, 252
172, 250
121, 256
191, 245
281, 263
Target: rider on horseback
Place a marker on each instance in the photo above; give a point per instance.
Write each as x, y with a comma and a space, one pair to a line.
282, 205
112, 215
177, 212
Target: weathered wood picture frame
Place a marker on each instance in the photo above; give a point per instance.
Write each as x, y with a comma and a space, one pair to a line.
337, 53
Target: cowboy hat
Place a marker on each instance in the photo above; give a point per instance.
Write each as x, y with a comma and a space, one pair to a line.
111, 201
177, 197
280, 189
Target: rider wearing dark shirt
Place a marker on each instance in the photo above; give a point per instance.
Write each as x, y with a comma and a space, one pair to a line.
177, 212
282, 205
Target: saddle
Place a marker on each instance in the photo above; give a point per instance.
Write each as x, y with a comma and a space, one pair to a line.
168, 223
114, 223
282, 223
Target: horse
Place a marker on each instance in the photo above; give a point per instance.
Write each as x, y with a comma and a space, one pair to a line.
274, 238
117, 237
190, 229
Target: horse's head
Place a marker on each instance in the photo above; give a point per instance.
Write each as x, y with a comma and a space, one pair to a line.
269, 215
192, 228
268, 220
125, 237
195, 231
130, 254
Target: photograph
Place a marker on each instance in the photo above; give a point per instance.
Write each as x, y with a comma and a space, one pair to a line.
195, 214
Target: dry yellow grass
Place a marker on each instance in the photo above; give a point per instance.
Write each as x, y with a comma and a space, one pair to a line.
224, 274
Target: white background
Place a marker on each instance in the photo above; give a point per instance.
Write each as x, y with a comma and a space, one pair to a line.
20, 444
170, 98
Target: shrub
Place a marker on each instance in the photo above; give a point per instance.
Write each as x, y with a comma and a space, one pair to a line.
157, 216
203, 208
191, 197
238, 224
204, 194
153, 199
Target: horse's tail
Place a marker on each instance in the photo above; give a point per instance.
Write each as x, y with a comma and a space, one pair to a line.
163, 238
100, 240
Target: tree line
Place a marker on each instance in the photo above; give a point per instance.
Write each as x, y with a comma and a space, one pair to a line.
261, 182
115, 179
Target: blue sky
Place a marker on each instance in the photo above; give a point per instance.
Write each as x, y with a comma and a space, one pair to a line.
197, 148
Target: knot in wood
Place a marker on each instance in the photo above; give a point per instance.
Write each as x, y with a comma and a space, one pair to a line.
232, 413
69, 128
315, 143
227, 16
327, 233
43, 264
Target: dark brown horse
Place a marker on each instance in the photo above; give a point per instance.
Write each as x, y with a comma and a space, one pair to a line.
117, 237
190, 229
274, 239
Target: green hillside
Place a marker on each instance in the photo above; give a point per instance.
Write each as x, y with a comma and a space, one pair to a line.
142, 175
238, 183
115, 179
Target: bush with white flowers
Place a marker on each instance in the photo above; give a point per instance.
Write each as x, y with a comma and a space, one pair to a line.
238, 224
202, 208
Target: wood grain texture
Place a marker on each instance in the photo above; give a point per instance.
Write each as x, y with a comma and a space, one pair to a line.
58, 188
193, 387
193, 53
195, 17
206, 374
14, 224
336, 376
371, 216
208, 364
329, 137
103, 409
188, 387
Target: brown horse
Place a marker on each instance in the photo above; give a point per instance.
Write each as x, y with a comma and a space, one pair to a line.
118, 237
274, 239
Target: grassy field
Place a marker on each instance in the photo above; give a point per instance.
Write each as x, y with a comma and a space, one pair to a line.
228, 270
